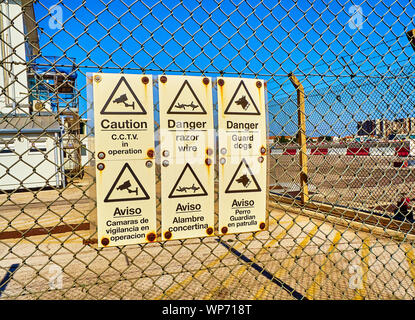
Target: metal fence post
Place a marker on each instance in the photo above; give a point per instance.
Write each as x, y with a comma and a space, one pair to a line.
301, 136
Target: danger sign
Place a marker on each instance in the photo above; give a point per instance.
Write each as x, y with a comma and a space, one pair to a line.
242, 130
187, 157
242, 125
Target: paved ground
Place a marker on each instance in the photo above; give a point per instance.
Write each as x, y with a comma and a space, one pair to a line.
299, 254
357, 181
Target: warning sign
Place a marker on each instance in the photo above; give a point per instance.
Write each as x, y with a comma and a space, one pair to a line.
187, 185
187, 156
126, 187
187, 201
242, 124
243, 180
241, 102
126, 202
123, 116
242, 130
186, 101
186, 117
242, 195
123, 100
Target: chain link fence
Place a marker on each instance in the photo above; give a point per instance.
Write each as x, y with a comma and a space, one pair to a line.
351, 239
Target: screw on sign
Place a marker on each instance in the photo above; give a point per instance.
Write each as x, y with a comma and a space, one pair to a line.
150, 153
209, 231
100, 166
105, 241
145, 80
151, 237
149, 164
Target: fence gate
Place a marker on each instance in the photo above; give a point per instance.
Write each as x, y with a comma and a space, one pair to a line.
341, 123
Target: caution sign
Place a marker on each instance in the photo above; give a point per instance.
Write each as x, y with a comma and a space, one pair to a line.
126, 187
123, 100
187, 157
242, 195
126, 202
123, 116
242, 124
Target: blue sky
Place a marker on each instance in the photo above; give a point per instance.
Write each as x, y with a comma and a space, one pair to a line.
263, 39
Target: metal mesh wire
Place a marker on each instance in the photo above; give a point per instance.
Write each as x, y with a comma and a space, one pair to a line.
349, 241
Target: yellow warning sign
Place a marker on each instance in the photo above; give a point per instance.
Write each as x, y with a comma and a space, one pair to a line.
126, 202
186, 101
187, 201
123, 116
188, 184
242, 121
242, 195
241, 102
242, 131
187, 157
243, 180
126, 187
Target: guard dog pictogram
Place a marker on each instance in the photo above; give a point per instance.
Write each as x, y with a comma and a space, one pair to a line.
243, 180
241, 102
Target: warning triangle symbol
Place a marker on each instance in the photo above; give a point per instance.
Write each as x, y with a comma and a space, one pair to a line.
241, 102
123, 100
126, 187
187, 185
243, 180
186, 102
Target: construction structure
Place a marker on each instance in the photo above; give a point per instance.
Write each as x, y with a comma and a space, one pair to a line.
37, 89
